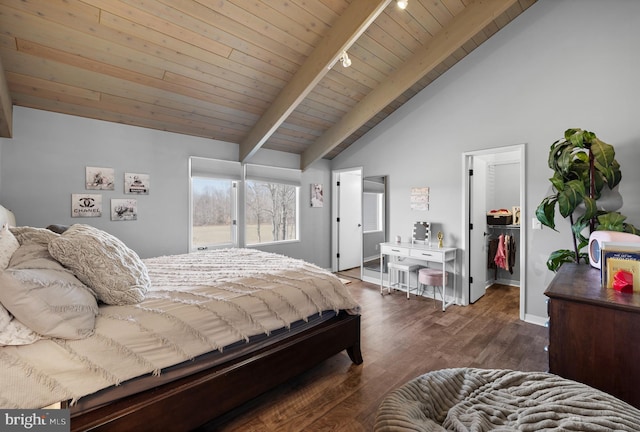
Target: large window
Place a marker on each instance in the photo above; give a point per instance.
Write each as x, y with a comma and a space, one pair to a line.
271, 204
271, 212
214, 194
269, 197
213, 212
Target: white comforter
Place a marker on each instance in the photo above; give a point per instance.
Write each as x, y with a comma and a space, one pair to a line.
199, 302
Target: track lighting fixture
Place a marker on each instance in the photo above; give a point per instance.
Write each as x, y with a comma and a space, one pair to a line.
402, 4
344, 58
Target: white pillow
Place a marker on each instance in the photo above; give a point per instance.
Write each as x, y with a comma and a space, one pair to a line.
13, 332
104, 263
46, 297
8, 245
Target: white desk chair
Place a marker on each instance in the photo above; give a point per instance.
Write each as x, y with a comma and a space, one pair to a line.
400, 276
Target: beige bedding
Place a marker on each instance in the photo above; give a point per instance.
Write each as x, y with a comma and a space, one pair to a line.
470, 399
197, 303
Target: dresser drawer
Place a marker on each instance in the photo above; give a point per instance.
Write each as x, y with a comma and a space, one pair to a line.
394, 250
429, 255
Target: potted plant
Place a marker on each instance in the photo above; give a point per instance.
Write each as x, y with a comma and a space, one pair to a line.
582, 166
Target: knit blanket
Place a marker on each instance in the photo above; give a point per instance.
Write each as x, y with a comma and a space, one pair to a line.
468, 399
198, 303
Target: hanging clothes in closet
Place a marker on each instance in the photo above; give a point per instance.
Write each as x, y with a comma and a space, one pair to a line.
502, 253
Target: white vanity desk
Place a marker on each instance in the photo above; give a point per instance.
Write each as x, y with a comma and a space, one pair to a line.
425, 253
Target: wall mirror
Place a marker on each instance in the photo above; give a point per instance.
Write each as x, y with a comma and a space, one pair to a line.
374, 225
421, 232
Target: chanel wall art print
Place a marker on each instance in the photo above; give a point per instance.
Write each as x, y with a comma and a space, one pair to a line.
86, 205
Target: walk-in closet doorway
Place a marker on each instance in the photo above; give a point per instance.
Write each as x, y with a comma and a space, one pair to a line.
481, 170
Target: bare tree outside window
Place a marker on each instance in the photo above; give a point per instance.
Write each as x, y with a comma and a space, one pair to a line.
271, 212
212, 212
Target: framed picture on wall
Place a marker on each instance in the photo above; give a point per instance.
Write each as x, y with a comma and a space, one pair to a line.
137, 184
419, 198
97, 178
86, 205
124, 209
317, 195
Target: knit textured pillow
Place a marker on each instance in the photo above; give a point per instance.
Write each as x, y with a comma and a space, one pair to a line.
104, 263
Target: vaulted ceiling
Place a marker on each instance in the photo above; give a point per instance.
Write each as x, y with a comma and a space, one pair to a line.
259, 73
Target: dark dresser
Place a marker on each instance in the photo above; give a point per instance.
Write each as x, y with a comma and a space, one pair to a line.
594, 333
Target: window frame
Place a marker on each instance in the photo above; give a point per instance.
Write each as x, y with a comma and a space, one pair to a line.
215, 169
277, 176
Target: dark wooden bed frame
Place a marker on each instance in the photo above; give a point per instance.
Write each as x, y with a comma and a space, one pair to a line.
193, 401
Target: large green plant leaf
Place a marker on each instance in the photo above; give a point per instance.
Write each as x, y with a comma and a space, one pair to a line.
559, 257
605, 162
591, 208
575, 137
546, 211
570, 197
612, 221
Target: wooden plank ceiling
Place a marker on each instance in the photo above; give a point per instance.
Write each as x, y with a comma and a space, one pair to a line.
259, 73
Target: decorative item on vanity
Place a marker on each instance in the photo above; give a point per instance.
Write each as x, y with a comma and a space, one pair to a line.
582, 165
440, 239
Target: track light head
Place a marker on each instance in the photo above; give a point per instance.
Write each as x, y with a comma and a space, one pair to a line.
344, 58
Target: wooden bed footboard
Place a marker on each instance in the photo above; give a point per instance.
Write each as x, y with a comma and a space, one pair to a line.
193, 401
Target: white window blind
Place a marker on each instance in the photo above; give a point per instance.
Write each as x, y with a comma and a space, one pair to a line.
215, 168
271, 174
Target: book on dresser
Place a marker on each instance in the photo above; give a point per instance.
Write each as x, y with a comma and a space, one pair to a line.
620, 261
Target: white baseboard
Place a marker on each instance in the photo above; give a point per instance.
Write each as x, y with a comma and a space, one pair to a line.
534, 319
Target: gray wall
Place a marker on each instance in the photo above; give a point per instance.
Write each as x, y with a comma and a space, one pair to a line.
561, 64
44, 163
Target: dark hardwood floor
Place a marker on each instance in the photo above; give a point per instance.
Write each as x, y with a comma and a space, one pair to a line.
401, 339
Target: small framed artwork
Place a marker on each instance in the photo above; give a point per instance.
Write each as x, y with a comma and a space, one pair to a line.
86, 205
97, 178
419, 198
137, 184
515, 211
317, 195
124, 209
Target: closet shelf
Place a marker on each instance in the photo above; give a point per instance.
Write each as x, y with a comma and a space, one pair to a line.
512, 226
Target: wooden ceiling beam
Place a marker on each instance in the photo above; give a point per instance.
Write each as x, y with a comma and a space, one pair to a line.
6, 107
461, 29
355, 20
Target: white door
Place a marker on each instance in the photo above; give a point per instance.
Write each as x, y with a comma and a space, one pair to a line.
477, 241
349, 221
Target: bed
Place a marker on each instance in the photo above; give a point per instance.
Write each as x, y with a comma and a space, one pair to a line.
472, 399
162, 343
